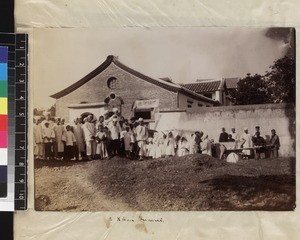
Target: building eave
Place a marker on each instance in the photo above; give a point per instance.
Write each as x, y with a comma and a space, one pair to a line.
85, 79
88, 105
197, 96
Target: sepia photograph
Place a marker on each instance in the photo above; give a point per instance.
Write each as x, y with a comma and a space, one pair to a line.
164, 119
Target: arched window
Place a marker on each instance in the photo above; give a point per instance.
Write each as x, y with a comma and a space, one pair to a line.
112, 83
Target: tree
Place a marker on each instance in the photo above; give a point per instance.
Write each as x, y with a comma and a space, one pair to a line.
250, 90
278, 85
281, 81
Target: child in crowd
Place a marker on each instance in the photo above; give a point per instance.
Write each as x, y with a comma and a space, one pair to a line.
150, 148
163, 144
70, 142
156, 145
170, 145
101, 138
230, 139
48, 139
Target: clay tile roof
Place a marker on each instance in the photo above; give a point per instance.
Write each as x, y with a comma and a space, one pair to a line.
204, 86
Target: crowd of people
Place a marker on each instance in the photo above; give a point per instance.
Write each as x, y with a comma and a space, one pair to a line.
255, 142
90, 138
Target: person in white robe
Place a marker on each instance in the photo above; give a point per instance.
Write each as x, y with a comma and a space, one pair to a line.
70, 142
89, 135
156, 145
235, 137
246, 142
115, 131
163, 144
51, 123
150, 148
126, 137
193, 144
141, 138
79, 136
170, 145
48, 139
206, 145
60, 132
101, 139
183, 147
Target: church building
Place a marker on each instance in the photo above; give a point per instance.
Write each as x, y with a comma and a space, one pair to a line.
114, 85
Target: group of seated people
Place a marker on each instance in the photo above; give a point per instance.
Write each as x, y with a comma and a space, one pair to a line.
249, 142
111, 134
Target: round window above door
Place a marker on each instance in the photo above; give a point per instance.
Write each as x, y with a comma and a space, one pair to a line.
112, 82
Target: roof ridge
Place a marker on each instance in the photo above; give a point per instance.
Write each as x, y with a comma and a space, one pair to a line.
135, 72
85, 79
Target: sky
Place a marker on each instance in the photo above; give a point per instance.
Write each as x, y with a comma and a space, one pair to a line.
60, 57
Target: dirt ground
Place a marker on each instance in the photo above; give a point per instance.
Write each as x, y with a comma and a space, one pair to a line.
190, 183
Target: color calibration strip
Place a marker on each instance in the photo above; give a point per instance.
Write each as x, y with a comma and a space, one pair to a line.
3, 120
20, 121
16, 100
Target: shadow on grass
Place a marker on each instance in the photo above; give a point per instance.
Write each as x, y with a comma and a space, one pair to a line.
269, 193
151, 186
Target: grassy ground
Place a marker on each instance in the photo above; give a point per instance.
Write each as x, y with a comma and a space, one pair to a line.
190, 183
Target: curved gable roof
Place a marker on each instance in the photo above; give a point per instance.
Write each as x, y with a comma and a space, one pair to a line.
112, 59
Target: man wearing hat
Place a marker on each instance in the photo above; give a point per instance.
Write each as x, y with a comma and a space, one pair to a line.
47, 119
141, 137
246, 142
257, 130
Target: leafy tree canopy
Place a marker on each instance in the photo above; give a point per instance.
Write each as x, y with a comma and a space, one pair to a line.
278, 85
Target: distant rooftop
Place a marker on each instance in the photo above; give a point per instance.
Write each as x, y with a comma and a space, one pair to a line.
202, 86
211, 85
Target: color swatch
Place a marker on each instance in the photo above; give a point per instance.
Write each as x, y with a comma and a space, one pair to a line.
3, 120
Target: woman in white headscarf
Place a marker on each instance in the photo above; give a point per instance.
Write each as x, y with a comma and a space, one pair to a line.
206, 145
